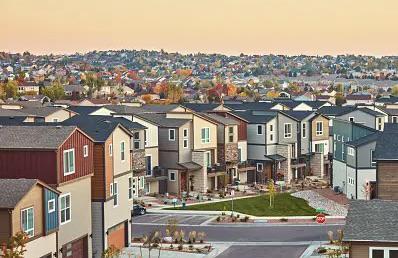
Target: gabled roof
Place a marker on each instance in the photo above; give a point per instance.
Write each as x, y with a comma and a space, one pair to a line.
359, 97
11, 112
298, 115
157, 108
335, 110
12, 120
34, 137
40, 111
201, 107
162, 121
13, 190
364, 140
387, 143
260, 106
84, 110
97, 127
124, 109
391, 111
255, 119
371, 112
374, 220
220, 119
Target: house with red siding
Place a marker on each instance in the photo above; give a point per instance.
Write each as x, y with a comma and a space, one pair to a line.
62, 157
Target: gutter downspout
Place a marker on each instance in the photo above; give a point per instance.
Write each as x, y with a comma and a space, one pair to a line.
356, 173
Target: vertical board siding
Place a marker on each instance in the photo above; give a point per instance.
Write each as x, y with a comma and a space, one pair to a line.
51, 219
98, 180
83, 165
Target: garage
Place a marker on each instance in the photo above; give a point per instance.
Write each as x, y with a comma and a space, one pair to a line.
76, 249
117, 235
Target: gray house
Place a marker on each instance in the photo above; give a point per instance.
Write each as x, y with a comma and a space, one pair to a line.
365, 116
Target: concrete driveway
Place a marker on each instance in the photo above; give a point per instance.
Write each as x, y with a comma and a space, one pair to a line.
263, 252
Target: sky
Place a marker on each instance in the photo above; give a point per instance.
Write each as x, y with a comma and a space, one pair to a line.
292, 27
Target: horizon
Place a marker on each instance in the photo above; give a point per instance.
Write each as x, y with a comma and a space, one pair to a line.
230, 27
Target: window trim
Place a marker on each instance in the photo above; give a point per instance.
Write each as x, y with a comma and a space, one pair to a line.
174, 135
60, 209
304, 130
74, 162
174, 173
110, 148
48, 206
130, 194
287, 135
185, 139
85, 151
262, 130
33, 219
350, 151
385, 249
123, 150
257, 167
319, 132
373, 164
351, 119
394, 118
206, 139
115, 194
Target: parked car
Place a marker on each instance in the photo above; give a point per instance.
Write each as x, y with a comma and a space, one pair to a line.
138, 210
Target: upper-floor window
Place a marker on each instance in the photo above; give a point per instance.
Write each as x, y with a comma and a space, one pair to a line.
383, 252
259, 167
28, 221
319, 128
350, 151
172, 134
110, 149
271, 128
115, 194
130, 190
205, 135
379, 123
372, 161
230, 134
172, 176
288, 130
65, 208
85, 151
55, 120
259, 129
185, 135
271, 137
303, 130
136, 140
145, 137
319, 147
51, 206
351, 119
69, 162
394, 119
208, 159
122, 151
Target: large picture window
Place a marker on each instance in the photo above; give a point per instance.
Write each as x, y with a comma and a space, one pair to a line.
28, 221
65, 208
69, 162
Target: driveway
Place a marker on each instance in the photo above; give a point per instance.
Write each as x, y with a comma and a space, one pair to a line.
263, 252
161, 219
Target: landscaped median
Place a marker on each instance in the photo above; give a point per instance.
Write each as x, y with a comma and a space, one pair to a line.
285, 205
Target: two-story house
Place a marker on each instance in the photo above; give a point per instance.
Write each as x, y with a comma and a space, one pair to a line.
112, 184
366, 116
30, 206
62, 157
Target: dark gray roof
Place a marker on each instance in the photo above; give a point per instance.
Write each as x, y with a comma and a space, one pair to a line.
201, 107
162, 121
314, 104
364, 140
157, 108
298, 115
371, 112
276, 157
374, 220
124, 109
335, 110
259, 106
387, 100
34, 137
221, 119
84, 110
190, 165
255, 119
12, 120
98, 127
387, 143
11, 112
13, 190
391, 111
40, 111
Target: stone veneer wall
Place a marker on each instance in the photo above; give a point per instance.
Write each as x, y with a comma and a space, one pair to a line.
317, 165
200, 176
285, 168
138, 160
227, 153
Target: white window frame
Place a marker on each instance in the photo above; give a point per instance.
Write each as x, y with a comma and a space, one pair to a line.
271, 137
271, 127
372, 163
111, 189
123, 151
351, 119
350, 151
174, 173
85, 151
60, 208
258, 165
285, 133
72, 171
231, 134
130, 194
304, 130
55, 120
136, 140
208, 159
115, 194
207, 137
319, 132
174, 135
394, 118
146, 142
185, 140
31, 230
262, 130
385, 249
48, 206
110, 150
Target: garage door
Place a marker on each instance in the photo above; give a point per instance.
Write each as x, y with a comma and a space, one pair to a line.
117, 236
76, 249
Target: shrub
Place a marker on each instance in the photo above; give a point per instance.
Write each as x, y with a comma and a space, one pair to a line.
218, 219
284, 220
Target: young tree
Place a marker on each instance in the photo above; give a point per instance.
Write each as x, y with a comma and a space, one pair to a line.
11, 89
15, 247
93, 83
271, 192
55, 91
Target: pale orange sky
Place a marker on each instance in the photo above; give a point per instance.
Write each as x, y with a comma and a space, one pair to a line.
191, 26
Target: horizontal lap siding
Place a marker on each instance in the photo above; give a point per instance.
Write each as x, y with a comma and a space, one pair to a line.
29, 164
83, 165
387, 180
361, 249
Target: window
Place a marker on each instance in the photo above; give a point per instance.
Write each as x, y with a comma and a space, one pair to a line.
148, 164
293, 152
65, 208
259, 129
379, 123
51, 206
240, 154
351, 119
69, 162
350, 151
372, 161
130, 188
85, 151
383, 252
111, 189
271, 128
342, 152
145, 138
185, 136
205, 135
28, 221
172, 134
136, 140
208, 159
115, 194
55, 120
172, 176
260, 167
334, 150
351, 181
122, 151
303, 130
271, 137
319, 128
142, 182
288, 130
230, 134
394, 119
110, 150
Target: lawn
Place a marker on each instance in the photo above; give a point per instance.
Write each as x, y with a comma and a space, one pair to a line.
285, 205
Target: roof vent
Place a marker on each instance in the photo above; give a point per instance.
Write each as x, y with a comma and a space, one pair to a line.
107, 121
58, 126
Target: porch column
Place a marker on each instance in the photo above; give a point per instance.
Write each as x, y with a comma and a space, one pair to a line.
215, 182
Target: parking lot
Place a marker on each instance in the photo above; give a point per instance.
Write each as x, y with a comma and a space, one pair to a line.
161, 219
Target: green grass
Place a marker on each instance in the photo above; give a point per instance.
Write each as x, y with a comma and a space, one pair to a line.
285, 205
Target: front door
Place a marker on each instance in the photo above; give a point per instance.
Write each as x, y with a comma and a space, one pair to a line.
183, 182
